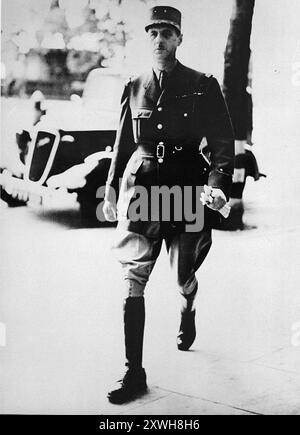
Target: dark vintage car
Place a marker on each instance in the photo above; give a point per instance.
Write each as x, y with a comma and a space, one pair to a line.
70, 146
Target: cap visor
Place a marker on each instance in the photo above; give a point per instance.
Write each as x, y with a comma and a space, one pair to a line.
160, 22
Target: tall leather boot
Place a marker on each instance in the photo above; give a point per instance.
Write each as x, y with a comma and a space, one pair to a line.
187, 330
134, 381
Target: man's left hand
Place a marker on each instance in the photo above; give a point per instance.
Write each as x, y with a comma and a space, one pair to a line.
213, 198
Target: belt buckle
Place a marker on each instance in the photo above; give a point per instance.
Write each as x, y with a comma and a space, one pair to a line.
160, 152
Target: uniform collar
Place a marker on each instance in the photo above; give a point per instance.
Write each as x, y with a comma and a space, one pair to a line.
169, 71
176, 82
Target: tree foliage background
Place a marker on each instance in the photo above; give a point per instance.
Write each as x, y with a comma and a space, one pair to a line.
90, 33
73, 36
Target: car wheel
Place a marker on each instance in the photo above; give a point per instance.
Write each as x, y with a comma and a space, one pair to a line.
90, 206
91, 214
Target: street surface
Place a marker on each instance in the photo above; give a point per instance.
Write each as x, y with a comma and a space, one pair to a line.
61, 305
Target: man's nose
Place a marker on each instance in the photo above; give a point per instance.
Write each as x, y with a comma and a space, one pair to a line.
159, 38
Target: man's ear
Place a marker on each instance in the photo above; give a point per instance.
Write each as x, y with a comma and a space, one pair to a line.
180, 37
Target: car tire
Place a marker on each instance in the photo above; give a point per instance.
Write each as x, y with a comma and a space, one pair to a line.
90, 206
91, 214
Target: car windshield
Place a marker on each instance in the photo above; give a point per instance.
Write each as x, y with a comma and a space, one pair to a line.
103, 91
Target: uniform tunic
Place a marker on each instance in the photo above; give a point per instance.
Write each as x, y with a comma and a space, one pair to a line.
190, 108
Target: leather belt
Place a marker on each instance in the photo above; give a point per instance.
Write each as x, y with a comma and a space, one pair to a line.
162, 150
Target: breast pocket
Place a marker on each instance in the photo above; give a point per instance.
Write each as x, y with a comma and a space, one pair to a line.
181, 114
140, 122
190, 114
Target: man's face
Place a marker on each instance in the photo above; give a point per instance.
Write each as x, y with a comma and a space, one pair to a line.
164, 41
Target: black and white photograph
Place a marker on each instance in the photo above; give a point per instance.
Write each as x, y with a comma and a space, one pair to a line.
149, 210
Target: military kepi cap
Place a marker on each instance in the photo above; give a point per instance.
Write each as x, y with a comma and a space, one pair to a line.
164, 15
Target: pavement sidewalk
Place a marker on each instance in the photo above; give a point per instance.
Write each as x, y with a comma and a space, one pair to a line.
246, 358
61, 304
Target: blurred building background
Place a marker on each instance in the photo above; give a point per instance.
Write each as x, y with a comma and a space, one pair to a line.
53, 44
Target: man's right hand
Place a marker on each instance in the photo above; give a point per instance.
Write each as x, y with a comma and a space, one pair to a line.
110, 211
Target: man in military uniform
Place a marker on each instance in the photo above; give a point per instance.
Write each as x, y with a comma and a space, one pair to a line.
164, 116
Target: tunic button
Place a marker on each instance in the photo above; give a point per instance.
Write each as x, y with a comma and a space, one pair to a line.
160, 109
160, 126
185, 115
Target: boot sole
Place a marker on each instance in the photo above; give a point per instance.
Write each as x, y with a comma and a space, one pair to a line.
187, 343
131, 398
184, 348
